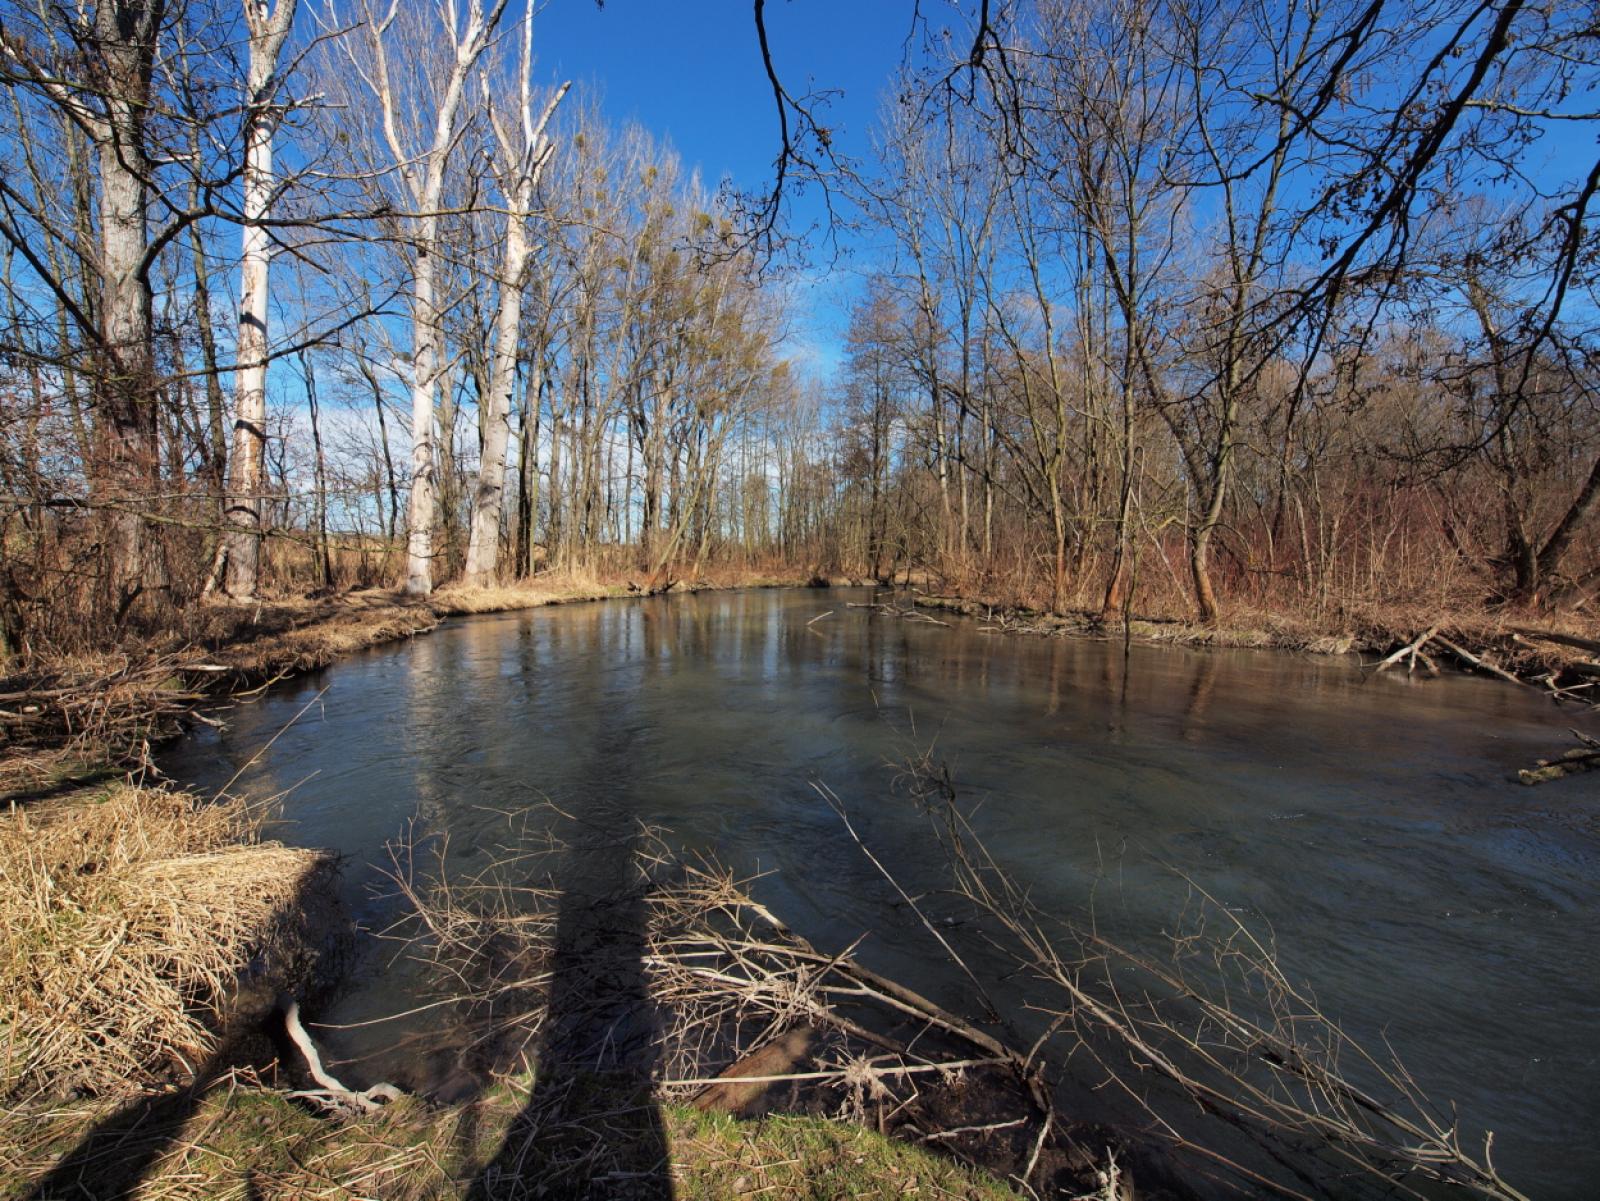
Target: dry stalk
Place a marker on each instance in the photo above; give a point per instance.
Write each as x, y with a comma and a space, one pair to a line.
129, 922
724, 978
1220, 1023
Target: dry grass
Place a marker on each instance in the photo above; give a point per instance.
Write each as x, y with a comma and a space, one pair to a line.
715, 961
130, 922
530, 594
661, 977
250, 1144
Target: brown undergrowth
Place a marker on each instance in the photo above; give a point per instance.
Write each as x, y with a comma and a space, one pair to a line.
1560, 656
133, 923
638, 982
67, 719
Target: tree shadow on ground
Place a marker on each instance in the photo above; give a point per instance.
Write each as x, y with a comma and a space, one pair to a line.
591, 1127
121, 1150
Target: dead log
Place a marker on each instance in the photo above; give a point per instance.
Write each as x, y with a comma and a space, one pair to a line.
1412, 649
743, 1097
1577, 760
1572, 640
1467, 656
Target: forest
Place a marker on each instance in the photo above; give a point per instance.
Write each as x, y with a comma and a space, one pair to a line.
1246, 325
1174, 307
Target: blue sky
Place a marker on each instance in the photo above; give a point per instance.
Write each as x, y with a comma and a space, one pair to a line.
690, 71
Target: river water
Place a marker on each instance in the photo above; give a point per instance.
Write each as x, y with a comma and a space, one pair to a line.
1371, 821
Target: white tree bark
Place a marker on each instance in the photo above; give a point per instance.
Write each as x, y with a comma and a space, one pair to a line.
268, 30
424, 177
519, 169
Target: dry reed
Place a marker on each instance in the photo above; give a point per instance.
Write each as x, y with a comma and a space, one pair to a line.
130, 923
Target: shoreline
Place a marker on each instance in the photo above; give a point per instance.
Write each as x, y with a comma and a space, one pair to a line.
145, 1058
87, 720
294, 637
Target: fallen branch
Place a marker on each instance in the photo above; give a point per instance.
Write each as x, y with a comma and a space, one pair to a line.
1581, 758
848, 1072
1467, 656
889, 609
1413, 649
1572, 640
332, 1095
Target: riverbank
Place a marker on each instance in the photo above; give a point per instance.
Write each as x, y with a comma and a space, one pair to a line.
368, 619
1560, 657
70, 721
148, 934
241, 1141
144, 938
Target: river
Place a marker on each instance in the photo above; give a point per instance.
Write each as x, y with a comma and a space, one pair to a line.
1371, 821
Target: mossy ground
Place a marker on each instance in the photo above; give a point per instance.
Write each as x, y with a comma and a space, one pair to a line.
247, 1143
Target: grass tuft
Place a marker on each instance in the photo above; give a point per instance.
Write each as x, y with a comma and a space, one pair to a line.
129, 919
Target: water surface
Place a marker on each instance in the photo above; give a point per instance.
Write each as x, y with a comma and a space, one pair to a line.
1370, 820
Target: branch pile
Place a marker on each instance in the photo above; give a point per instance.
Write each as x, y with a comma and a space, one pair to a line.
1218, 1054
687, 989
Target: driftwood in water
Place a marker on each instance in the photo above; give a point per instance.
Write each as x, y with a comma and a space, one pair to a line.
1414, 650
1581, 758
1467, 656
1572, 640
888, 609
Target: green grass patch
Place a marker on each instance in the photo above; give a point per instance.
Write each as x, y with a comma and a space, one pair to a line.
251, 1144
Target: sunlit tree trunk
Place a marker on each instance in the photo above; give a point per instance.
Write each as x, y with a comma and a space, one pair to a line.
524, 163
423, 172
268, 29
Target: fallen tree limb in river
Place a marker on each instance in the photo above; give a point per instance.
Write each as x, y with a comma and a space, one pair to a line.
889, 609
1413, 649
1218, 1024
1581, 758
1481, 664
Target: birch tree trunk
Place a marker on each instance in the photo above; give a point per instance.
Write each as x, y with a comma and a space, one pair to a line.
522, 167
423, 174
268, 29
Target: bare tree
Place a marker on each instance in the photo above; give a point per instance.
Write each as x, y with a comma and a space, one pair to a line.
521, 161
269, 27
113, 48
419, 156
